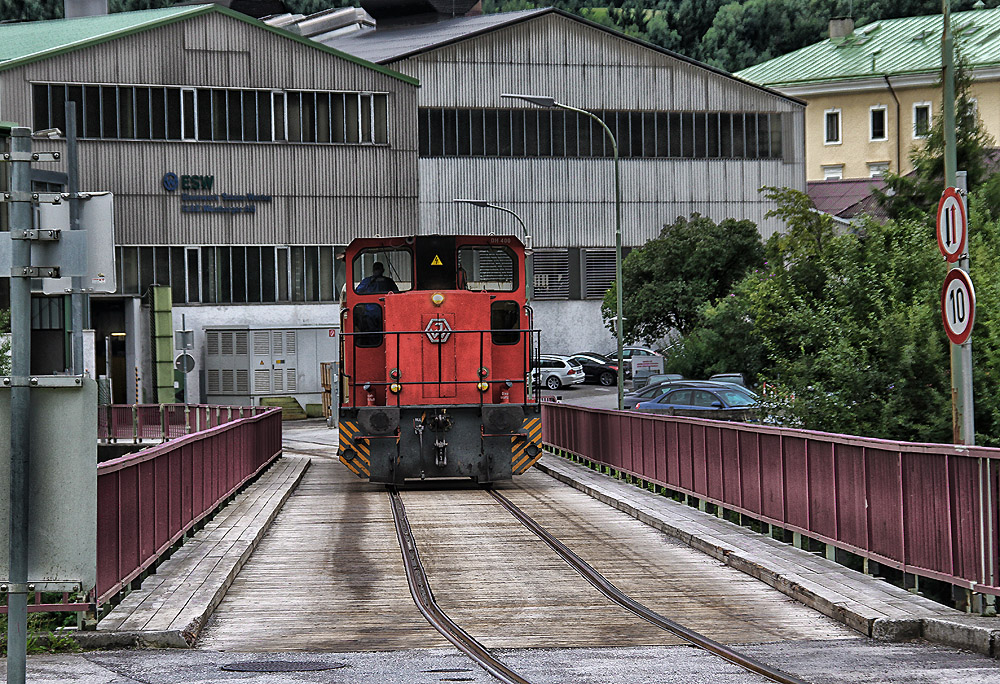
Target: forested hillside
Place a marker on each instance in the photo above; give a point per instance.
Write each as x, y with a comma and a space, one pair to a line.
729, 34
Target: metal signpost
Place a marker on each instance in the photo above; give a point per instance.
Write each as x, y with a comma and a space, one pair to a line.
184, 362
48, 540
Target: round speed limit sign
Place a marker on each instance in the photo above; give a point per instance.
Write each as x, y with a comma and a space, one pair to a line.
958, 305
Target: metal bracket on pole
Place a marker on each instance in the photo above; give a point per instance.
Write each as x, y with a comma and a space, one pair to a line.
45, 197
30, 156
40, 235
50, 381
34, 272
17, 588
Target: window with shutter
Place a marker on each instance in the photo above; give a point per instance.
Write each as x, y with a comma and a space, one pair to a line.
551, 274
599, 272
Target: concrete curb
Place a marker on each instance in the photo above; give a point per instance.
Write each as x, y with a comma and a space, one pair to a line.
186, 637
957, 633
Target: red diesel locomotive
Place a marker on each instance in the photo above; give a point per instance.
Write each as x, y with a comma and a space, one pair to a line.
435, 357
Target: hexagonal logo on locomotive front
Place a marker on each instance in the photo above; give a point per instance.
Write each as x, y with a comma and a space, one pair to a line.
438, 331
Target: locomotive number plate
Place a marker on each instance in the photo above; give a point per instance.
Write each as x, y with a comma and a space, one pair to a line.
438, 331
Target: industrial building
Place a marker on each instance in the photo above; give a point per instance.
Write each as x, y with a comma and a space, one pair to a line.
691, 138
245, 155
240, 157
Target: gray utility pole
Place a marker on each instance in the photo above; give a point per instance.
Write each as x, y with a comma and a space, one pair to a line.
963, 426
19, 213
79, 301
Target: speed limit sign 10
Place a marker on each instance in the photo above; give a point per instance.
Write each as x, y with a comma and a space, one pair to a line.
952, 225
958, 305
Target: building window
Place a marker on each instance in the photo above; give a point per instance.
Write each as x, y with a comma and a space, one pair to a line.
921, 119
833, 172
598, 272
232, 274
831, 127
450, 132
159, 113
877, 130
550, 270
877, 169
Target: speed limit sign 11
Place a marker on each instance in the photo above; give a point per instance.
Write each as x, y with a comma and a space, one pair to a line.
958, 305
952, 225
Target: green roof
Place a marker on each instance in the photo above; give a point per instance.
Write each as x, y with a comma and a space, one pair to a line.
910, 45
26, 42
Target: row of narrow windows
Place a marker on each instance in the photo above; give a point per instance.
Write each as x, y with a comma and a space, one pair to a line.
228, 115
458, 132
313, 273
214, 114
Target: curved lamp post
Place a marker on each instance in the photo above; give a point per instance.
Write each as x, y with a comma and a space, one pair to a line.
550, 102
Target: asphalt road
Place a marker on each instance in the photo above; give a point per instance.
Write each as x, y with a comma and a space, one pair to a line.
848, 661
591, 396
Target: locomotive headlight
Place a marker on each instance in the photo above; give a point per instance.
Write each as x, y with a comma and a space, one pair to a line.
483, 386
437, 298
394, 374
395, 388
484, 371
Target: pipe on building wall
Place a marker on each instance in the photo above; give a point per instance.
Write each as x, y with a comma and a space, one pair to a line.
899, 132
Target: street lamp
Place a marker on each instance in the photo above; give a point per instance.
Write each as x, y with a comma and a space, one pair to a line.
550, 102
528, 271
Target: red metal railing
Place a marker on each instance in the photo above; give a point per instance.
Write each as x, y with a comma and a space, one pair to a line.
148, 500
925, 509
160, 422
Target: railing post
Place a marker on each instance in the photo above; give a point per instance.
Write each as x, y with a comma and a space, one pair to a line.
135, 423
187, 419
164, 432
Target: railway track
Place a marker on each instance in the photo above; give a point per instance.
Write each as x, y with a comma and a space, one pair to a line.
423, 597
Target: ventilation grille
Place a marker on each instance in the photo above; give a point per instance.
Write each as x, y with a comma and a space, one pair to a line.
213, 343
213, 382
242, 382
261, 343
262, 381
228, 381
290, 342
551, 274
227, 344
290, 381
599, 267
242, 342
278, 344
279, 382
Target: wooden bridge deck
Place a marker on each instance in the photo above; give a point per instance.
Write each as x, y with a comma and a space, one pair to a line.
328, 575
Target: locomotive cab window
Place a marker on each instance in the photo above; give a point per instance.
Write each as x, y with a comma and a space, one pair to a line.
368, 325
381, 271
505, 322
486, 268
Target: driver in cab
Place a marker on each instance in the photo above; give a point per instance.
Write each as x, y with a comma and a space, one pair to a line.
377, 282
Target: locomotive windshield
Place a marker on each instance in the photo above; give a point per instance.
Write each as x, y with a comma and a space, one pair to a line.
433, 262
486, 268
382, 270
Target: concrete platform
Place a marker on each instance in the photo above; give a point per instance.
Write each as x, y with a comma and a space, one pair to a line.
865, 603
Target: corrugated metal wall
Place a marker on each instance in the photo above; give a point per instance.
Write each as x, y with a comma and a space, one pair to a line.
321, 193
570, 202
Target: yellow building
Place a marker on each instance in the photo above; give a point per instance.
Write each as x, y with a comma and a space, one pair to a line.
871, 92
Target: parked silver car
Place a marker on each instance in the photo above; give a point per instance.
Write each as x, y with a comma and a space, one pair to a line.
555, 371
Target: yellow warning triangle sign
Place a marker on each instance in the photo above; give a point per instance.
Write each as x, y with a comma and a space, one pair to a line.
437, 261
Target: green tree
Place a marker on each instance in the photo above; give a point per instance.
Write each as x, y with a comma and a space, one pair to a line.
669, 280
847, 327
914, 195
30, 10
